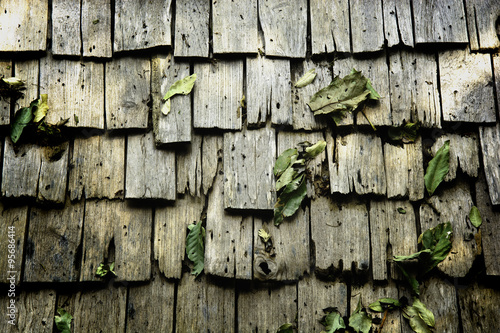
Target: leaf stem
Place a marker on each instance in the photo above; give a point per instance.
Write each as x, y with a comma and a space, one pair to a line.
383, 320
364, 114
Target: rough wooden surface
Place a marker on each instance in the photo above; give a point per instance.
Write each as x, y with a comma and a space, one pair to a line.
398, 23
367, 25
463, 152
217, 94
24, 25
439, 296
212, 151
439, 22
13, 223
478, 308
127, 93
285, 27
481, 21
28, 71
469, 98
97, 167
490, 138
330, 30
5, 71
96, 28
141, 25
496, 72
176, 125
248, 169
53, 177
192, 21
66, 27
52, 245
170, 227
189, 167
145, 166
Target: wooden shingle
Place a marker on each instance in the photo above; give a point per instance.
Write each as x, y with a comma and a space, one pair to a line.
212, 151
367, 25
189, 167
490, 138
14, 221
477, 315
398, 22
481, 21
53, 177
330, 29
28, 71
96, 28
21, 169
192, 21
439, 296
463, 152
66, 27
5, 71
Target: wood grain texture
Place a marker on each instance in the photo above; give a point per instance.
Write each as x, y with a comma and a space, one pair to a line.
28, 71
470, 98
330, 29
96, 28
127, 93
478, 308
481, 22
189, 167
13, 228
398, 23
367, 25
490, 138
192, 32
52, 182
463, 152
5, 71
285, 27
439, 296
212, 153
496, 72
66, 27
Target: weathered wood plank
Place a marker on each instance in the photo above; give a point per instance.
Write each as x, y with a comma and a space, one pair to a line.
235, 26
481, 21
439, 21
97, 168
463, 152
439, 296
176, 125
66, 27
143, 24
54, 237
471, 98
212, 150
217, 94
496, 72
479, 308
13, 223
145, 166
268, 86
367, 25
24, 25
416, 174
53, 177
392, 233
285, 27
453, 205
96, 28
398, 23
127, 93
75, 90
192, 20
28, 71
490, 146
248, 169
330, 30
341, 235
5, 71
170, 233
189, 167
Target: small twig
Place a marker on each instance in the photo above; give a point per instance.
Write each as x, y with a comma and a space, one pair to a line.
383, 320
363, 112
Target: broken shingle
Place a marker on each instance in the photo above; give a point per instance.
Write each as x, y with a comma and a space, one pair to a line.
398, 22
332, 16
367, 26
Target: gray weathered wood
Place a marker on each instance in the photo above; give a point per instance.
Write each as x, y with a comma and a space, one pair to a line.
143, 24
469, 98
337, 245
54, 237
28, 71
192, 20
284, 24
145, 166
170, 233
398, 23
75, 90
389, 229
479, 308
248, 169
176, 125
463, 152
352, 160
217, 94
367, 25
439, 296
212, 150
66, 27
96, 28
14, 221
289, 258
127, 93
268, 87
234, 26
453, 205
5, 71
481, 21
21, 28
330, 30
490, 146
53, 177
439, 21
496, 72
97, 168
189, 167
416, 174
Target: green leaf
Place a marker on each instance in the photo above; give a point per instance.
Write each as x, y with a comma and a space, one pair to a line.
411, 280
384, 303
411, 256
373, 94
180, 87
63, 321
284, 161
315, 150
21, 119
286, 177
41, 108
295, 199
401, 210
475, 217
424, 313
290, 199
13, 82
195, 247
438, 168
360, 321
306, 78
333, 322
285, 328
438, 240
416, 322
105, 269
264, 235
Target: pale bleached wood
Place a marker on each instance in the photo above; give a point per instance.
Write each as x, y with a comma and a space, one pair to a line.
416, 174
234, 26
330, 30
54, 237
5, 71
97, 167
367, 25
212, 150
285, 27
479, 308
469, 98
337, 247
192, 20
248, 169
176, 125
75, 90
481, 22
398, 23
127, 93
24, 25
490, 138
439, 21
496, 72
217, 94
170, 227
268, 87
14, 221
96, 28
66, 27
453, 205
189, 167
463, 152
392, 233
440, 297
53, 177
145, 166
141, 25
28, 71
